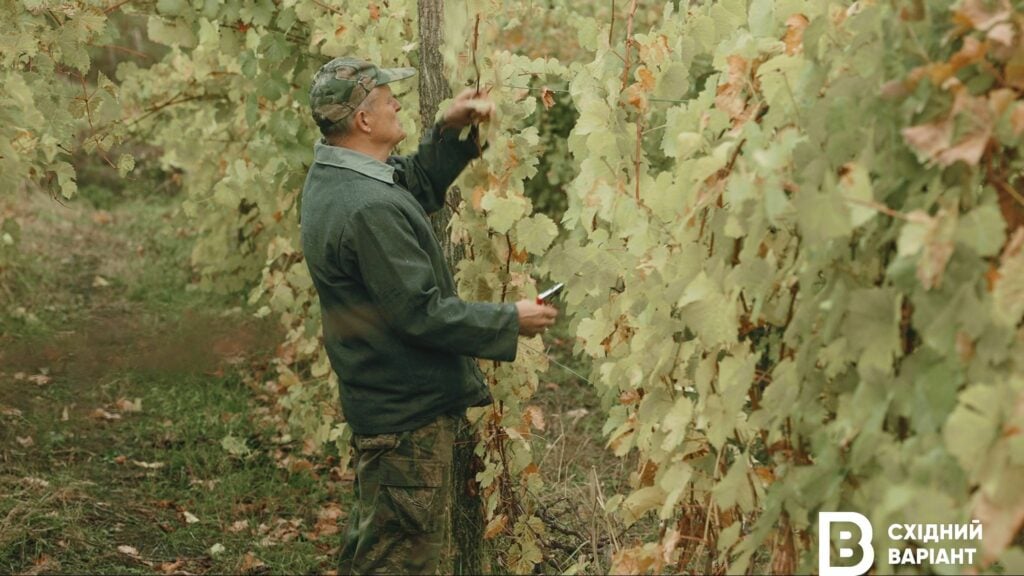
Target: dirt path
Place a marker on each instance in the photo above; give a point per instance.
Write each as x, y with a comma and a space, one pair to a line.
118, 387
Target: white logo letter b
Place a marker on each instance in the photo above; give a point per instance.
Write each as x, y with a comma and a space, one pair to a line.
825, 521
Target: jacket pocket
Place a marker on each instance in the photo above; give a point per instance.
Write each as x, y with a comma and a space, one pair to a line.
416, 492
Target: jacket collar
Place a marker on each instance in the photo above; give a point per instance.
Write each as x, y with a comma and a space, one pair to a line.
346, 158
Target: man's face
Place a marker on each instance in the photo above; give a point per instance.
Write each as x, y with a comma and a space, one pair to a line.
382, 115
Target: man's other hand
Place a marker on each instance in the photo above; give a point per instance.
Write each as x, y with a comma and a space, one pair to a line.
469, 107
534, 318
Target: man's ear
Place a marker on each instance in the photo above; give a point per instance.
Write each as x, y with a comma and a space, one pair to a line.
362, 121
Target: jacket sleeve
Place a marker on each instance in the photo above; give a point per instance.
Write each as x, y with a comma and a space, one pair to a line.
397, 274
440, 159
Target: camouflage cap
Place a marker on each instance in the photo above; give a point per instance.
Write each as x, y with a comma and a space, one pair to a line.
343, 83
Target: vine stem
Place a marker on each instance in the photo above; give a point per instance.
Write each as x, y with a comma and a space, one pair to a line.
629, 43
611, 24
639, 152
328, 8
476, 39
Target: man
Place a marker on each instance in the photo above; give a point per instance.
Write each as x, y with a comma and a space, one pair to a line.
396, 333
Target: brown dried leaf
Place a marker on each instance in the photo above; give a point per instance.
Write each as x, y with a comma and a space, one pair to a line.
646, 78
794, 38
101, 414
534, 417
169, 567
969, 150
250, 563
973, 50
983, 14
40, 379
25, 442
238, 526
637, 560
1002, 33
495, 526
102, 217
930, 139
547, 97
1001, 99
729, 97
635, 96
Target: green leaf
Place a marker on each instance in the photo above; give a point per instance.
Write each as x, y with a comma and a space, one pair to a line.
708, 312
66, 179
170, 32
676, 423
983, 229
872, 329
855, 185
973, 426
125, 164
503, 213
762, 17
536, 233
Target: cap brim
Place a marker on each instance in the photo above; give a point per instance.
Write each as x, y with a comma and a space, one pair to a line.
385, 75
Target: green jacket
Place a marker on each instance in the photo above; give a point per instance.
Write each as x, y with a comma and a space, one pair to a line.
396, 333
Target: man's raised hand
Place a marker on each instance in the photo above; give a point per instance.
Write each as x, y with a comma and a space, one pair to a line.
469, 107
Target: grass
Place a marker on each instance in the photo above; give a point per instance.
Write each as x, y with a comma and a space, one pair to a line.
117, 387
96, 320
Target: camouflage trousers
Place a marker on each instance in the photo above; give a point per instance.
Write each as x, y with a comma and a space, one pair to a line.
400, 519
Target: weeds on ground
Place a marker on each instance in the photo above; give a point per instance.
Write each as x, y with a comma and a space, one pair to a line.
118, 389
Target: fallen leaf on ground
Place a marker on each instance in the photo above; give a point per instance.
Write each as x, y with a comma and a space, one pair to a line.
26, 442
20, 375
190, 518
34, 482
238, 526
327, 522
128, 550
250, 563
169, 567
10, 412
44, 565
64, 415
120, 459
577, 414
40, 379
102, 217
100, 282
126, 405
101, 414
282, 532
148, 465
217, 549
